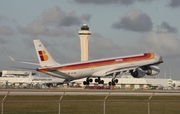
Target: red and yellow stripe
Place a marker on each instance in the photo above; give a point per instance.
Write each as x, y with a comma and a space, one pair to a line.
94, 64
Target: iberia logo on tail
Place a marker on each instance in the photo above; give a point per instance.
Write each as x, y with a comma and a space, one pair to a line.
43, 56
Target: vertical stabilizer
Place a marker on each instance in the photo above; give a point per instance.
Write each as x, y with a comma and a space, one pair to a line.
44, 57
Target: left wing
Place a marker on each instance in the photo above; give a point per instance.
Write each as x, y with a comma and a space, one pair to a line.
107, 72
122, 70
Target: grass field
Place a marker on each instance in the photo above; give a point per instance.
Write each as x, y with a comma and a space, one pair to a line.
90, 105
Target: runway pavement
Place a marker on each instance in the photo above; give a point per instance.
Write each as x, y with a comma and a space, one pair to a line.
102, 93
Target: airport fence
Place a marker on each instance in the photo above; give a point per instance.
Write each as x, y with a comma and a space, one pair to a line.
108, 104
90, 107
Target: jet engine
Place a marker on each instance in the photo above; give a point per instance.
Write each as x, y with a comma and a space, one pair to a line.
152, 70
138, 73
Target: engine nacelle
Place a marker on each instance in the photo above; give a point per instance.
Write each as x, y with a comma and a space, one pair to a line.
152, 70
138, 73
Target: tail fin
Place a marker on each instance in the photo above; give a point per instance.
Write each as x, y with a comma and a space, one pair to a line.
44, 57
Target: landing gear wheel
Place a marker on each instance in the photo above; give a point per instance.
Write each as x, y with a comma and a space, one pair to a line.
87, 82
84, 83
96, 80
116, 80
113, 83
101, 82
90, 80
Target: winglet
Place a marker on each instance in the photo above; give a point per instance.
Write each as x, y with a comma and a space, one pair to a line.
12, 59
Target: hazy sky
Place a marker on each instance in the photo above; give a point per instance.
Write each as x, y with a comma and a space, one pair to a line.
119, 27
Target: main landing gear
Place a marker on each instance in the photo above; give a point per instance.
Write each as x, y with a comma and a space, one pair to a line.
114, 81
99, 81
87, 82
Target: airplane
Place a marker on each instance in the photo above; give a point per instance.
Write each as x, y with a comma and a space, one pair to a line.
137, 65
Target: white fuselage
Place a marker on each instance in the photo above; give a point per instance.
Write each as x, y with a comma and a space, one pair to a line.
96, 70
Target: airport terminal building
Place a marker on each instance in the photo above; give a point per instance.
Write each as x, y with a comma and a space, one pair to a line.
19, 78
128, 82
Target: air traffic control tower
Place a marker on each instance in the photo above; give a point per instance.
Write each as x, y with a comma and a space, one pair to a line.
84, 35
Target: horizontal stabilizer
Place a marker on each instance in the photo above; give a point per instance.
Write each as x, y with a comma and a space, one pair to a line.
26, 62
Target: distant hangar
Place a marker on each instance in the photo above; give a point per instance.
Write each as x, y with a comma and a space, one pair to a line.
136, 83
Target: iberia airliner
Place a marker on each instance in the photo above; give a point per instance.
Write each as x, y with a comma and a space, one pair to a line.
137, 65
